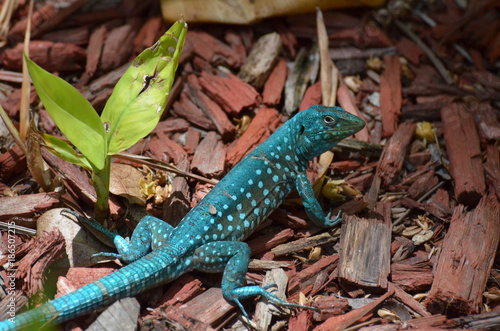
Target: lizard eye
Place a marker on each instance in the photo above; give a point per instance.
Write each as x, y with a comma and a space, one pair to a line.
329, 120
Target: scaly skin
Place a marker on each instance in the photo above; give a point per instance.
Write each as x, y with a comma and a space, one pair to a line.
209, 238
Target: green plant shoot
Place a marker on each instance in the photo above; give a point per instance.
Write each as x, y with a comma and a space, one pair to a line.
132, 111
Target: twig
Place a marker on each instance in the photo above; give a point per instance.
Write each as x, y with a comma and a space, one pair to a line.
434, 59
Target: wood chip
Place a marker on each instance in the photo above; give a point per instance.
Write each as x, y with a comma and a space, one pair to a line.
209, 158
262, 126
261, 59
466, 259
365, 252
464, 153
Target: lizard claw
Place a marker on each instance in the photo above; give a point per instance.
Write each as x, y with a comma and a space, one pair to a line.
332, 222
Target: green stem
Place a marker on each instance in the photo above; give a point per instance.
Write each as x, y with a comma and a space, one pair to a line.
101, 184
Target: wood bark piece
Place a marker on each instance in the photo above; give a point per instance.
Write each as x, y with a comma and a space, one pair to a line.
347, 102
175, 318
466, 259
303, 243
341, 322
273, 87
47, 54
329, 306
307, 276
94, 51
121, 315
229, 92
12, 162
118, 47
147, 35
209, 157
413, 274
186, 108
208, 307
365, 252
46, 249
45, 18
182, 290
311, 97
270, 240
464, 153
390, 94
261, 59
27, 205
262, 126
393, 156
409, 50
264, 311
165, 149
211, 49
409, 301
487, 123
211, 109
177, 205
492, 167
302, 321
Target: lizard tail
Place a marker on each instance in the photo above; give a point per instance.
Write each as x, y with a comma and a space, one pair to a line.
156, 268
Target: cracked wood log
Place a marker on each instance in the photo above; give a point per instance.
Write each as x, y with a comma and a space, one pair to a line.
464, 153
466, 259
365, 252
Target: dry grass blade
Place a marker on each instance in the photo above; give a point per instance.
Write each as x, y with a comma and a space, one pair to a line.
329, 73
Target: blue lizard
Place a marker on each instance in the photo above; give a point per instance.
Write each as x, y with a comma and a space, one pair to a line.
209, 238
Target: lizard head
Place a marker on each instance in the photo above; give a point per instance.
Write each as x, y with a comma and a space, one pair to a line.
320, 128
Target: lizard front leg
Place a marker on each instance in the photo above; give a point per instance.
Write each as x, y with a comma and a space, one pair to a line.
311, 205
150, 233
233, 257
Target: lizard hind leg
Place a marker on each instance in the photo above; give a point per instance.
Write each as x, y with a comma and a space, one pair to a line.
149, 234
232, 257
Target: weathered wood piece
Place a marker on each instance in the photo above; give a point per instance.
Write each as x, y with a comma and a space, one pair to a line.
210, 49
466, 259
312, 96
346, 101
177, 205
44, 250
229, 91
492, 168
264, 311
393, 156
27, 205
301, 72
208, 307
329, 306
261, 59
303, 243
365, 252
268, 241
413, 274
12, 162
487, 123
390, 95
47, 54
185, 108
341, 322
121, 315
211, 109
273, 87
262, 126
464, 153
307, 276
94, 51
209, 157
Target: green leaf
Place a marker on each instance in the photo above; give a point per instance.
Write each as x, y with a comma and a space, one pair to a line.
72, 113
63, 150
140, 96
